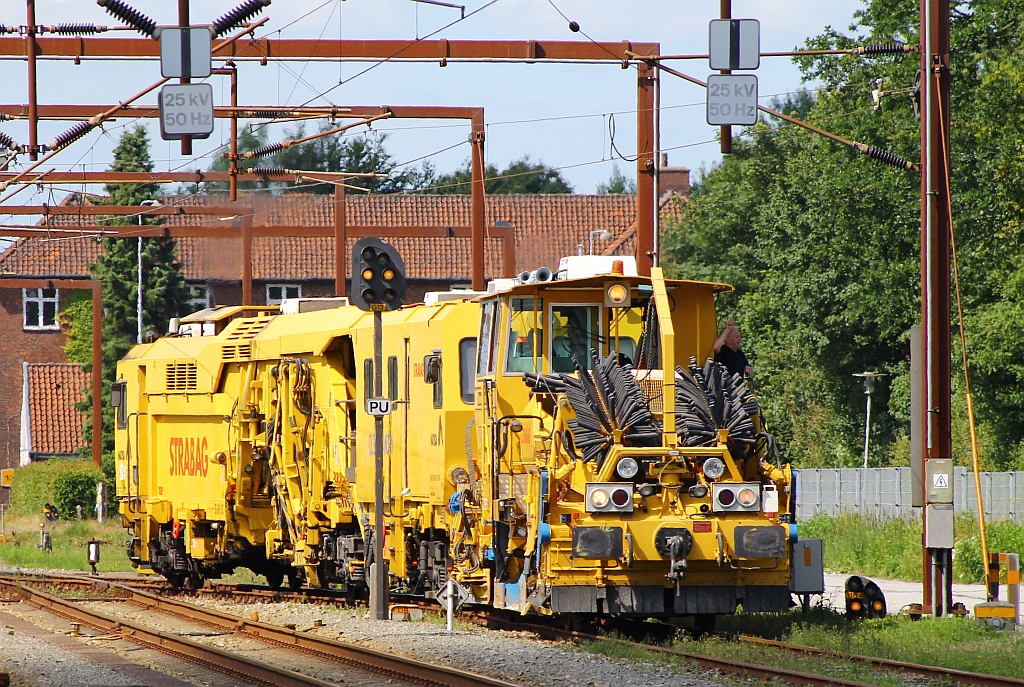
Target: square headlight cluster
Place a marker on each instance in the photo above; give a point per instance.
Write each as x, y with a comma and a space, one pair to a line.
610, 497
735, 496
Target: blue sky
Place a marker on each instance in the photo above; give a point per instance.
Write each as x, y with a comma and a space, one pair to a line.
572, 102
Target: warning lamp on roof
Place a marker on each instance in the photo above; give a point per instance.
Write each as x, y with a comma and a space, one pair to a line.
378, 275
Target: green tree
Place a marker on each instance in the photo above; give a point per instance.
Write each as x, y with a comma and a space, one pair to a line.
617, 183
823, 244
520, 176
164, 290
362, 153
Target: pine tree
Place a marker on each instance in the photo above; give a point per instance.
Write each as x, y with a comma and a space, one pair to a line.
164, 291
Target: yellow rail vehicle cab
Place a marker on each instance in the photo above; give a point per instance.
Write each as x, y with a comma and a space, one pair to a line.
617, 475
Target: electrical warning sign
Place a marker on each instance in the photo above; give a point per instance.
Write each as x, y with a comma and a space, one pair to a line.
186, 110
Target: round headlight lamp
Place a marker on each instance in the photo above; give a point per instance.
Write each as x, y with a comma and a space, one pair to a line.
714, 468
698, 491
599, 498
627, 468
618, 294
747, 497
726, 497
647, 489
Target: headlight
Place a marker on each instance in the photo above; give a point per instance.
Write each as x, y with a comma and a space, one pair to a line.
714, 468
726, 497
747, 497
621, 497
647, 489
616, 295
599, 498
627, 468
698, 491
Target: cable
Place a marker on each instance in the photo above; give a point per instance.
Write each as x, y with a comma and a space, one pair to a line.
400, 51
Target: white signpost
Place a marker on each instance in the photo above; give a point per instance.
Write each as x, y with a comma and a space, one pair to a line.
185, 53
186, 110
732, 99
735, 43
378, 407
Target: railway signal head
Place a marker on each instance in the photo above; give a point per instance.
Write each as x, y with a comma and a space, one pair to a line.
378, 275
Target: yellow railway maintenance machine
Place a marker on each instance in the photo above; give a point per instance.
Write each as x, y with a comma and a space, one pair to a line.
556, 447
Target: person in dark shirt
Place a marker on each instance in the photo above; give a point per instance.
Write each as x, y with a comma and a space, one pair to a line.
728, 353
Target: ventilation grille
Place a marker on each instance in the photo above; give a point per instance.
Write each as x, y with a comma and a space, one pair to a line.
247, 329
182, 376
235, 352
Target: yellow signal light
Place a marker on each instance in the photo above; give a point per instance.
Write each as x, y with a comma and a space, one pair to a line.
367, 274
877, 604
389, 274
855, 605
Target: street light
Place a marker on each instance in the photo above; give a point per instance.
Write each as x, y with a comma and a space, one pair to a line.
604, 235
138, 302
869, 388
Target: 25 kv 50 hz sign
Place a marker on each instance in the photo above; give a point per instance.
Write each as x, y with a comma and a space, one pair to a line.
186, 110
732, 99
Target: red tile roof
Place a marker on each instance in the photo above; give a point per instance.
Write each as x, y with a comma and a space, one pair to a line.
53, 391
546, 227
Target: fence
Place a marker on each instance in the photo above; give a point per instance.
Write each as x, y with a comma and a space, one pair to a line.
886, 492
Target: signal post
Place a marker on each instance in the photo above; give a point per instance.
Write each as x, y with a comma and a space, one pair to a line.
378, 284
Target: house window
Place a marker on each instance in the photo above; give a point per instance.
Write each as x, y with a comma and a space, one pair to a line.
278, 292
200, 299
39, 308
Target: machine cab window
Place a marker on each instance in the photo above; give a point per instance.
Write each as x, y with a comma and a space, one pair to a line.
575, 329
525, 341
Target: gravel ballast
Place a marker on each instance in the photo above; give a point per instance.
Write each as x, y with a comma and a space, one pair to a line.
512, 656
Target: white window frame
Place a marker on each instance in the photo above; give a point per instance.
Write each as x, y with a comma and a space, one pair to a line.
284, 292
41, 300
195, 304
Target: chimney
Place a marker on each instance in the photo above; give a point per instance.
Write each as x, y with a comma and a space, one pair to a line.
673, 179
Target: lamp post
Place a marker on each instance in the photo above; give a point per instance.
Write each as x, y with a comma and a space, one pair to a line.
604, 235
138, 301
869, 388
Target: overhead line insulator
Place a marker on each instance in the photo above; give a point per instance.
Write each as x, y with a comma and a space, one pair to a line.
268, 171
71, 135
264, 151
8, 142
129, 15
892, 48
75, 29
236, 17
886, 157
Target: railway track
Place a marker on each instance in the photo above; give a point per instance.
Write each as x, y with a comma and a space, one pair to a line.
400, 669
155, 598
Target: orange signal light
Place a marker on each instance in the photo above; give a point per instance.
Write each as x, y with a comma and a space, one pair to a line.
877, 604
855, 606
367, 274
389, 274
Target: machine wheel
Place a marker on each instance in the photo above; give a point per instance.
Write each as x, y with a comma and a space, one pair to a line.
275, 577
704, 623
295, 580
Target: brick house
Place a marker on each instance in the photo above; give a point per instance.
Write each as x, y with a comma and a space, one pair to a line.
546, 227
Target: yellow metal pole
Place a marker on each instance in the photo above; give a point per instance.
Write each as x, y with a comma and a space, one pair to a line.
668, 357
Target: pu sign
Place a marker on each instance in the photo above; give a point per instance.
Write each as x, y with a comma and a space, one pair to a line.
378, 407
186, 110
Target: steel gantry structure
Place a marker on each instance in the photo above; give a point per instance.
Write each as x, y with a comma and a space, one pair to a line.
442, 51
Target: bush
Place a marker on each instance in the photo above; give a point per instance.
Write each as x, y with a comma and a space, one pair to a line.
33, 485
891, 547
74, 488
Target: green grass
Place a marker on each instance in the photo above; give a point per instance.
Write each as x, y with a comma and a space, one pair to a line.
891, 547
945, 642
68, 539
33, 485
